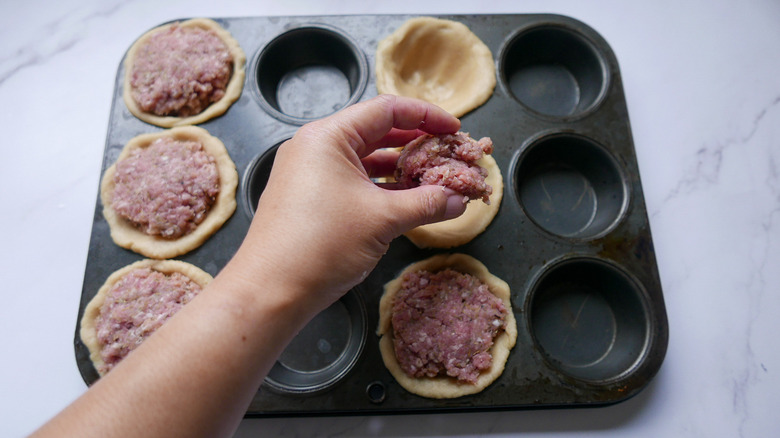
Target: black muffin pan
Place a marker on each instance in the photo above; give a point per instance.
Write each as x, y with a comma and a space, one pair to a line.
571, 237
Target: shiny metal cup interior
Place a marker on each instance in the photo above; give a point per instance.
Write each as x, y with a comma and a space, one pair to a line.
324, 351
309, 72
554, 70
590, 319
570, 186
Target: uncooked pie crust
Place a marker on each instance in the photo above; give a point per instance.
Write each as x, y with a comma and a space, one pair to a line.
440, 61
443, 386
126, 235
88, 331
471, 223
232, 92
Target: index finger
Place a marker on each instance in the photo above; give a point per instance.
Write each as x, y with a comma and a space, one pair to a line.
363, 125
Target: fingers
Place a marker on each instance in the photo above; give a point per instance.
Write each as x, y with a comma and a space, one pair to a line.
369, 125
397, 138
409, 114
420, 206
381, 162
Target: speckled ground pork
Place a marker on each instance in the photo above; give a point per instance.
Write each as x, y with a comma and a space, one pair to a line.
138, 304
447, 160
445, 323
180, 72
167, 188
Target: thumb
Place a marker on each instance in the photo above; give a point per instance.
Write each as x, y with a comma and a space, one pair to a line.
423, 205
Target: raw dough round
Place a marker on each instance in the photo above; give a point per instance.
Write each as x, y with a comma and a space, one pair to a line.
444, 386
232, 92
471, 223
440, 61
88, 331
126, 235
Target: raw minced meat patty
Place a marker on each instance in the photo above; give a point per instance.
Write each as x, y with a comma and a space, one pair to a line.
445, 323
180, 71
446, 160
167, 188
137, 305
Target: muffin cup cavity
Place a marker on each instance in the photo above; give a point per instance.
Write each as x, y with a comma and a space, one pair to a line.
570, 186
256, 177
553, 71
324, 351
590, 320
309, 72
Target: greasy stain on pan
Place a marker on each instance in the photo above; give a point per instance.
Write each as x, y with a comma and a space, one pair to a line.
572, 237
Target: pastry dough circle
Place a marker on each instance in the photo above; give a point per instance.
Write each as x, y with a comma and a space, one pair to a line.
128, 236
88, 330
232, 92
471, 223
440, 61
443, 386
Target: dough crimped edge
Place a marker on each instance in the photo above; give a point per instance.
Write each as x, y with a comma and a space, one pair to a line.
88, 330
471, 223
440, 387
434, 82
126, 235
232, 92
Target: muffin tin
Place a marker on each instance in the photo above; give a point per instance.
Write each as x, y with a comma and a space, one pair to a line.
571, 238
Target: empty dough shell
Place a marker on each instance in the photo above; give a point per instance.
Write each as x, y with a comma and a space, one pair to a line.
439, 61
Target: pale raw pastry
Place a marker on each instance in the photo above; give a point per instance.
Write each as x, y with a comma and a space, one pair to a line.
471, 223
88, 331
232, 92
439, 61
444, 386
126, 235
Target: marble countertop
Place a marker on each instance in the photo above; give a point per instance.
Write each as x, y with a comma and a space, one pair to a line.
703, 94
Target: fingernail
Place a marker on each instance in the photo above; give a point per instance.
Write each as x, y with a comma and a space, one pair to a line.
456, 204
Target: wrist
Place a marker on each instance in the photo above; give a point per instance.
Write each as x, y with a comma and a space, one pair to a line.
257, 283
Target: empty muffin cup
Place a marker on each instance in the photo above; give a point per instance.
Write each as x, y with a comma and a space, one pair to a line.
570, 186
553, 70
256, 177
310, 72
589, 319
324, 351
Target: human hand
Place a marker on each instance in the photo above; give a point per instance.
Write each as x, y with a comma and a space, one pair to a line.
321, 224
320, 227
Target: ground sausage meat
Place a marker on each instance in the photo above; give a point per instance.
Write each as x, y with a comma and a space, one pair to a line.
180, 71
446, 160
137, 305
445, 323
166, 188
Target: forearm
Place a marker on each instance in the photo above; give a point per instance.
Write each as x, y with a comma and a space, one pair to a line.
198, 373
321, 226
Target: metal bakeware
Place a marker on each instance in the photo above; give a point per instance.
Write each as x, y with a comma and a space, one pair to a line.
571, 237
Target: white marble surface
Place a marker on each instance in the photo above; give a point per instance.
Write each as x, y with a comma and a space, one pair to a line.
703, 89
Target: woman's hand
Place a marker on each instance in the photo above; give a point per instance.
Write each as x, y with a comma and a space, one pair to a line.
321, 223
